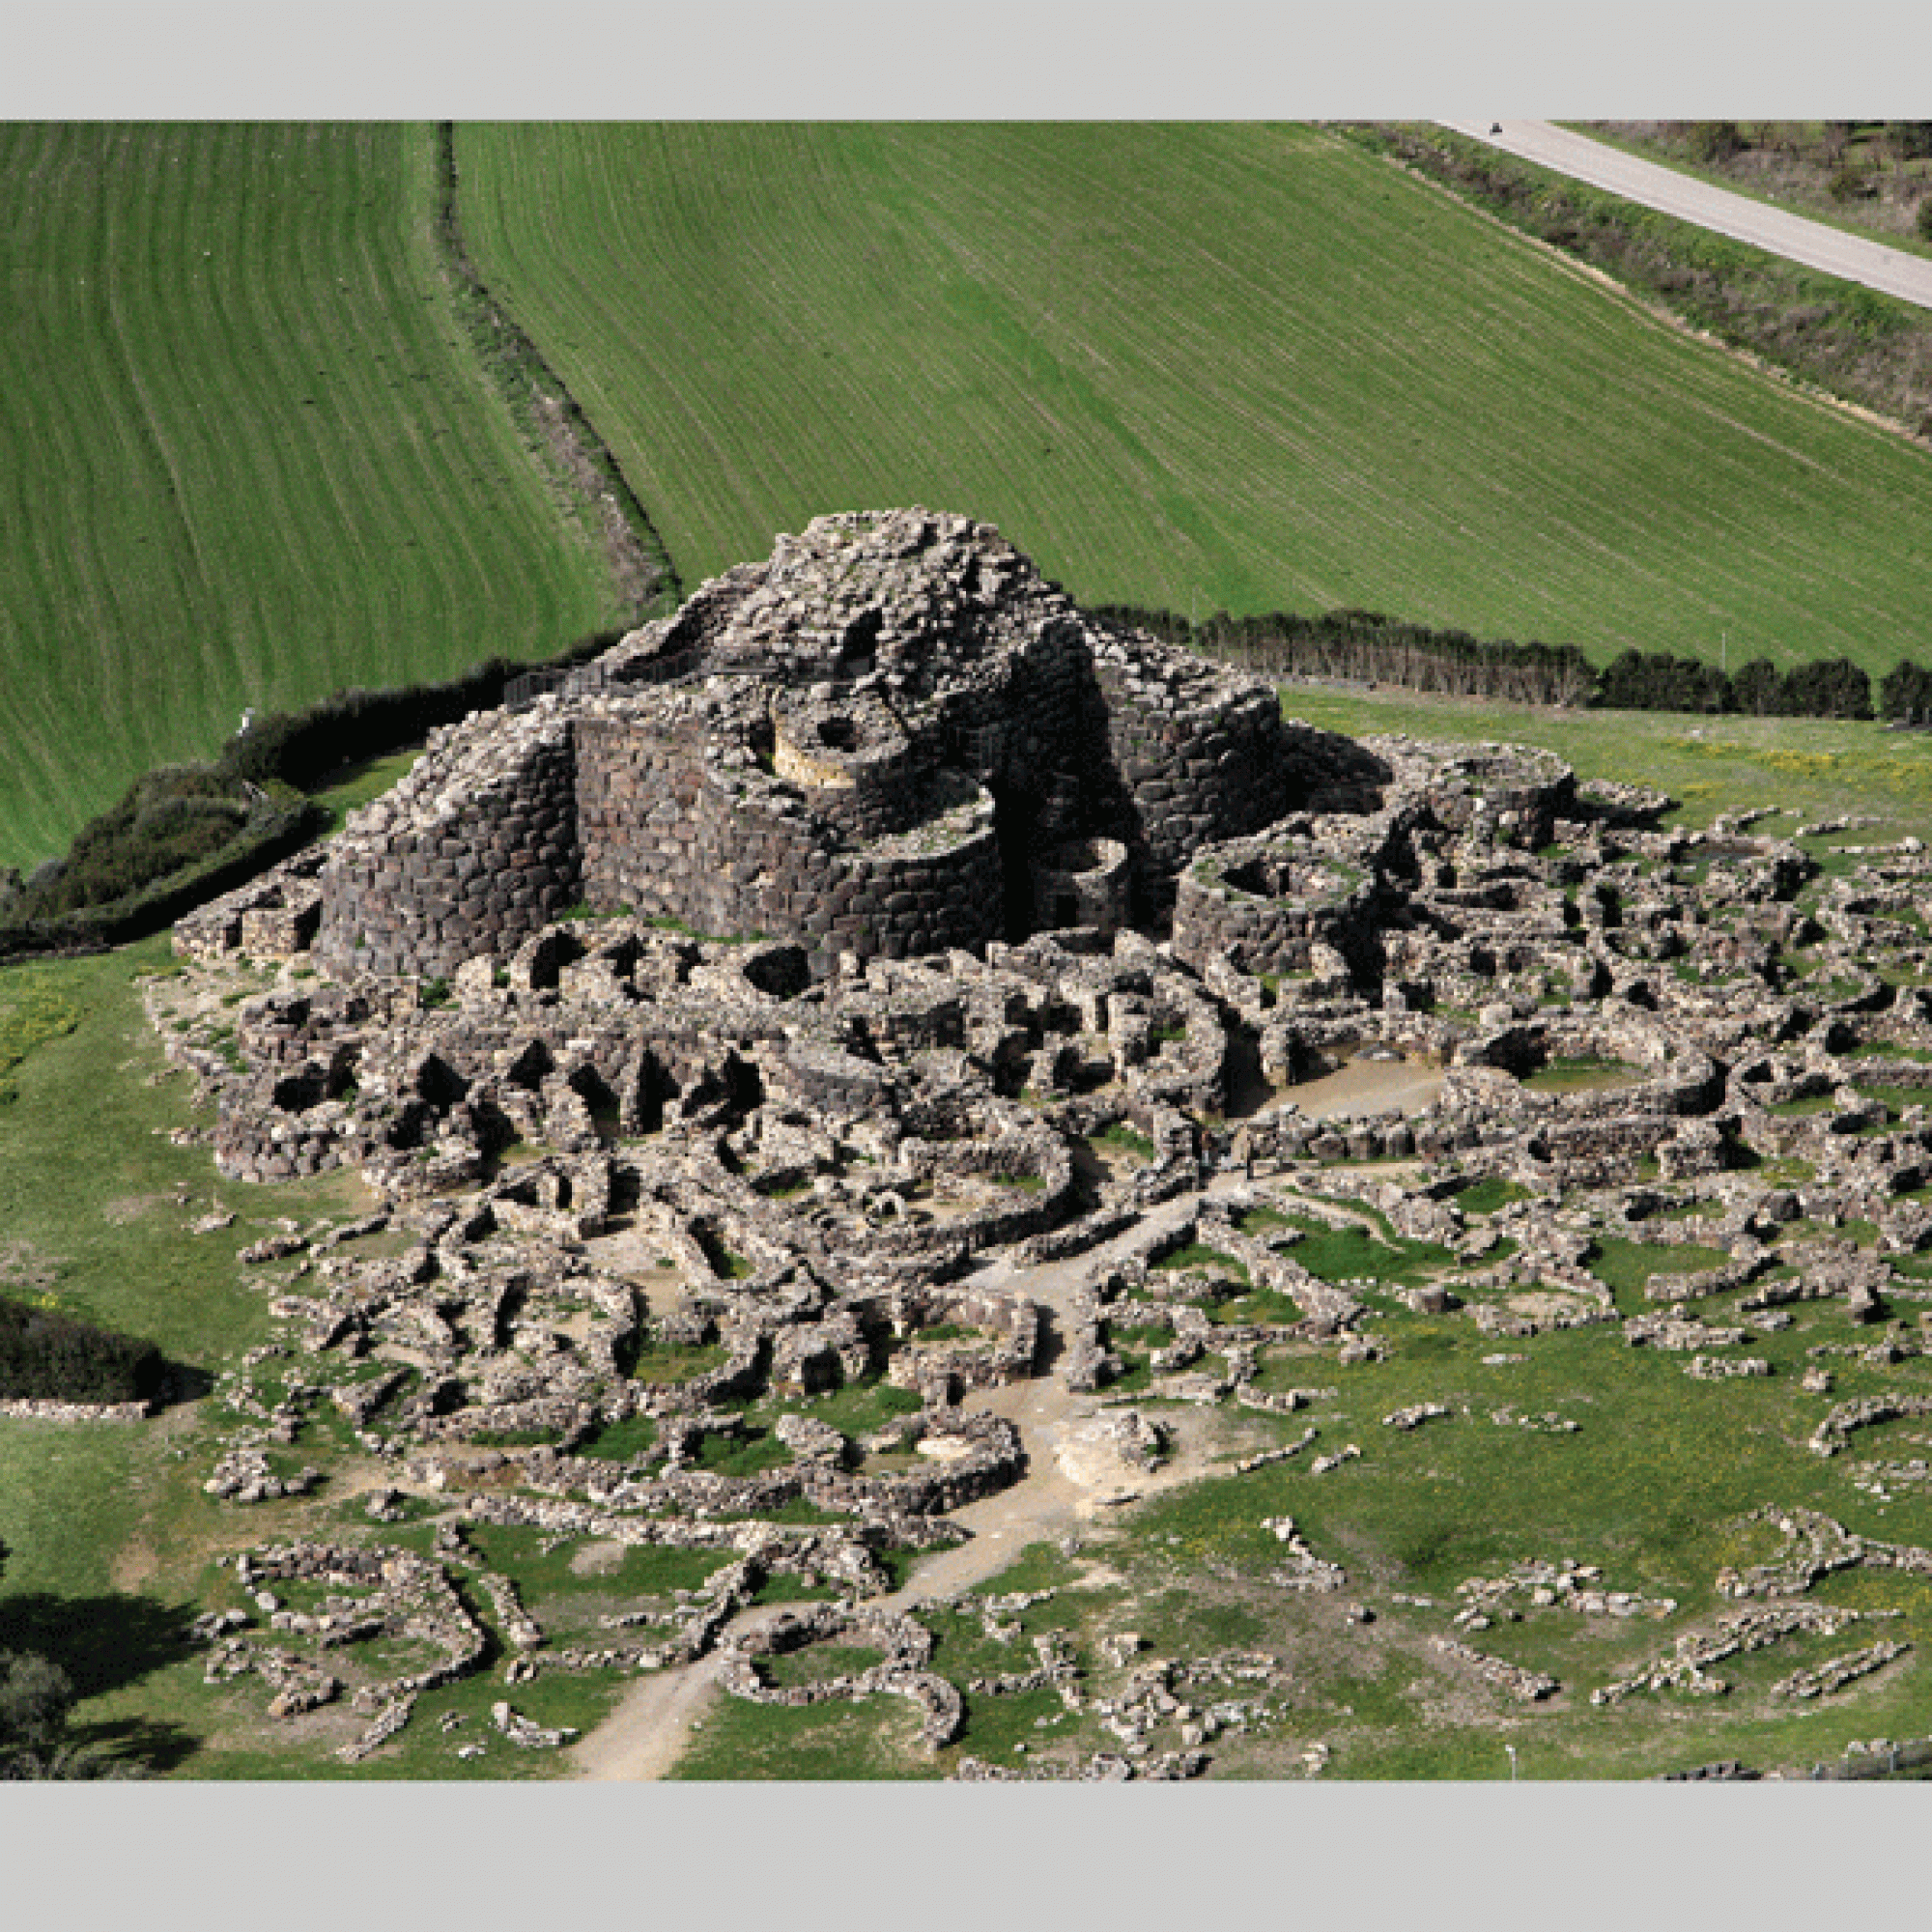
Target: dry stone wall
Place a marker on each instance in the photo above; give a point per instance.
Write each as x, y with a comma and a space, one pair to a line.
477, 848
890, 739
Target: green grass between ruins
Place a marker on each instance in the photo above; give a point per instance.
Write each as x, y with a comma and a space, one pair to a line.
1808, 769
1173, 396
248, 457
110, 1541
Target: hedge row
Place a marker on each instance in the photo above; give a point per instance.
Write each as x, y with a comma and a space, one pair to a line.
270, 835
1367, 647
1656, 681
47, 1356
298, 748
187, 834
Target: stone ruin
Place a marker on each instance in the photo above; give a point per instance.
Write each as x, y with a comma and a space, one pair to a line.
889, 739
767, 994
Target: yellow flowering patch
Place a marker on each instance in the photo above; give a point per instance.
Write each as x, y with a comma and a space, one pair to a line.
33, 1010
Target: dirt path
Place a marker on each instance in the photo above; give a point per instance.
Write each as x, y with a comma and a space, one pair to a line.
644, 1737
1851, 257
1368, 1087
1071, 1480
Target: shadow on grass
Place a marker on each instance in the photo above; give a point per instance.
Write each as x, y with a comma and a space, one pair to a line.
156, 1745
181, 1382
104, 1644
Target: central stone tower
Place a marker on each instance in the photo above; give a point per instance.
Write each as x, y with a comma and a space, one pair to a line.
893, 737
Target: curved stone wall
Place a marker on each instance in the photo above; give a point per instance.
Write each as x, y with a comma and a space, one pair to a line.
1515, 793
851, 760
874, 743
1201, 754
1261, 904
1083, 882
478, 849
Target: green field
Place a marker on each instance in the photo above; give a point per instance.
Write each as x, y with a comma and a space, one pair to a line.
246, 456
1191, 366
1813, 768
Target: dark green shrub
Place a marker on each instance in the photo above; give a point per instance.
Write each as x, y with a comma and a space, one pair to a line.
171, 818
1905, 693
1714, 142
47, 1356
298, 747
1758, 690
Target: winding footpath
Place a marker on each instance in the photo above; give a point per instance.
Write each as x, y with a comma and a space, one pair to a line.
647, 1733
1854, 258
1061, 1491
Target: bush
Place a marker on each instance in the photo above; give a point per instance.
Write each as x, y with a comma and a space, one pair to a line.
1714, 142
168, 820
1905, 694
36, 1702
271, 834
1759, 690
1922, 221
297, 747
47, 1356
1829, 688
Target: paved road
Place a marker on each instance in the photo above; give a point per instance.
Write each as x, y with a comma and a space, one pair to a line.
1850, 256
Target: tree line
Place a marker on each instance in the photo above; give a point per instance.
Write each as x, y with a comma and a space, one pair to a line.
1366, 647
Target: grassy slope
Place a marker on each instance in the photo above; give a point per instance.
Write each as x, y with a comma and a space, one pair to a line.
245, 458
107, 1543
104, 1528
1238, 366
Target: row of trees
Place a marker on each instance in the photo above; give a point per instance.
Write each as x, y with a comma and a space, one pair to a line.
1363, 646
1367, 647
1659, 681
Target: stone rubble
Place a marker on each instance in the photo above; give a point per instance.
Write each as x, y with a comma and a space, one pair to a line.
1840, 1671
1529, 1685
884, 977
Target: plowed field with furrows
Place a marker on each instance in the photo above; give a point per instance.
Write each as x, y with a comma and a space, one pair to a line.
245, 457
1192, 366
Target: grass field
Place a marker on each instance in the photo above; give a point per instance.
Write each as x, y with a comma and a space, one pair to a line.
1234, 365
246, 457
1816, 768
